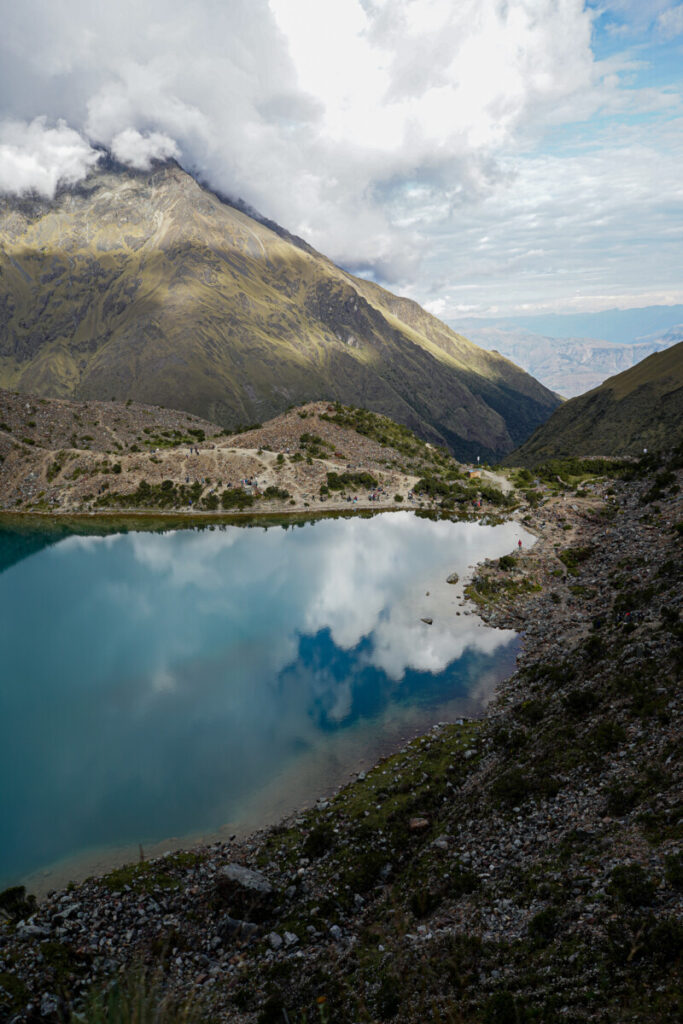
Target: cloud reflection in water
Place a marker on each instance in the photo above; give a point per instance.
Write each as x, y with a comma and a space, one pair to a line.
178, 674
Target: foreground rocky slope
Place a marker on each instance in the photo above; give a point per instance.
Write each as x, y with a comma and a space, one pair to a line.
147, 286
635, 410
525, 868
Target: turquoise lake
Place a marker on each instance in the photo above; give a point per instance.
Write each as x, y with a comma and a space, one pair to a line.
185, 683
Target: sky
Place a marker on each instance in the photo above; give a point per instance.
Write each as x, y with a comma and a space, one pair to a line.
485, 157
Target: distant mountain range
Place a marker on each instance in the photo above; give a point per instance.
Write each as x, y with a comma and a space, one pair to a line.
570, 366
621, 326
640, 408
147, 286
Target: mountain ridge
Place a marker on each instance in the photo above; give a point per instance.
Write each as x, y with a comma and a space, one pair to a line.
634, 410
145, 285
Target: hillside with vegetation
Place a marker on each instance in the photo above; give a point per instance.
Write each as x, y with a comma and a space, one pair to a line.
146, 286
635, 410
63, 457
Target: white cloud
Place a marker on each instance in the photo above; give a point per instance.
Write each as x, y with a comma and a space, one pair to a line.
670, 22
137, 150
380, 131
35, 157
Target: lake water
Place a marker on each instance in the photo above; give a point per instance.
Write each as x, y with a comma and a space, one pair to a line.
157, 685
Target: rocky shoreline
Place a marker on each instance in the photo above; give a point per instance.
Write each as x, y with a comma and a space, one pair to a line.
526, 867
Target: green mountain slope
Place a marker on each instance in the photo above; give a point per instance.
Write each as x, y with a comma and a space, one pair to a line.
639, 408
148, 286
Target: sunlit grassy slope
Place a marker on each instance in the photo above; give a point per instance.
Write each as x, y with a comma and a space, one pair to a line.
148, 286
639, 408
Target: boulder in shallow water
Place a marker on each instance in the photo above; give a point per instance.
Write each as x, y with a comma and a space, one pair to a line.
453, 578
427, 620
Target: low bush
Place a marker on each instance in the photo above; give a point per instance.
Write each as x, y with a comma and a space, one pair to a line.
543, 927
340, 481
630, 885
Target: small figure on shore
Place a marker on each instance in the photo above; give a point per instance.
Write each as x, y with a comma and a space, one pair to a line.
519, 544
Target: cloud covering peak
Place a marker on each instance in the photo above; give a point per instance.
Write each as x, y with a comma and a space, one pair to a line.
37, 157
380, 130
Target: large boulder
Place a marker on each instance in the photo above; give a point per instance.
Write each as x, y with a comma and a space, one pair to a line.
246, 894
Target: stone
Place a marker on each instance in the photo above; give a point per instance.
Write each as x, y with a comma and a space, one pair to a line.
453, 578
231, 927
254, 881
49, 1005
291, 939
28, 930
275, 941
245, 894
427, 620
336, 933
418, 824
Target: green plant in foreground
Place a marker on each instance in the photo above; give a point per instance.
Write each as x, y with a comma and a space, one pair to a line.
138, 998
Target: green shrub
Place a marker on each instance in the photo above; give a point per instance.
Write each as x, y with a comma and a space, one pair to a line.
15, 904
507, 562
543, 927
581, 702
607, 736
532, 711
620, 799
340, 481
503, 1008
275, 492
139, 998
673, 870
365, 872
574, 557
235, 497
388, 999
663, 940
424, 901
511, 788
630, 885
319, 840
462, 881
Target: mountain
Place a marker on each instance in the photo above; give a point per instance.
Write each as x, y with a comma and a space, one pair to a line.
667, 338
569, 366
147, 286
637, 409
